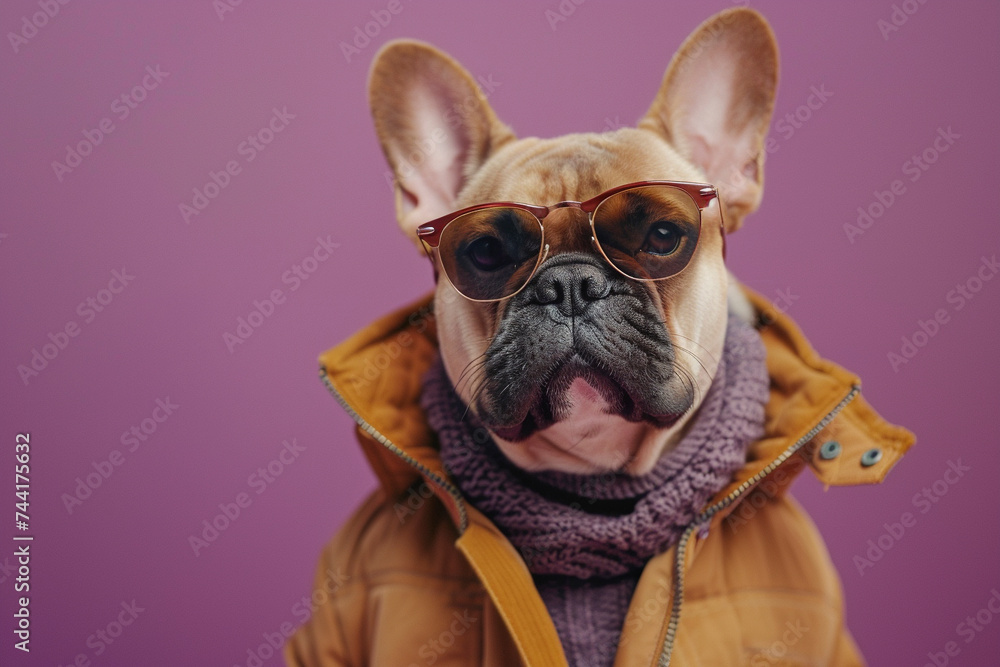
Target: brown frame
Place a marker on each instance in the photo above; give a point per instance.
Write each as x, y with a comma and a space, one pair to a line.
701, 194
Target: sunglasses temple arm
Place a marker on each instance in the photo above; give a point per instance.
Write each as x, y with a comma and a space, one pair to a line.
427, 251
722, 227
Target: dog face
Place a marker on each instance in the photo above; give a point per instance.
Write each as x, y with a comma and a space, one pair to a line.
585, 369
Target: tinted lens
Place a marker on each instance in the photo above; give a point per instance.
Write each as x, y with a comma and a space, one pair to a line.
648, 232
491, 254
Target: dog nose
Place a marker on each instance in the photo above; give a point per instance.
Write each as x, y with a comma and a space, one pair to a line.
571, 287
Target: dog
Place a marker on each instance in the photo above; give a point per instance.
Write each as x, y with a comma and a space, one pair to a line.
707, 124
580, 313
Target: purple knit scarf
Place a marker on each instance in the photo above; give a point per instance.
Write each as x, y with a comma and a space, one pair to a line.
607, 525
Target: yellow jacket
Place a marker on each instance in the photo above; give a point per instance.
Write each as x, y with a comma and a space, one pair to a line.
419, 577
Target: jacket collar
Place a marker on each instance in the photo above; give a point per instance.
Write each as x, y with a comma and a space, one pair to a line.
376, 376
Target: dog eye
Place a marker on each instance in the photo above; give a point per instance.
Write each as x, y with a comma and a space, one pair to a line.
487, 254
663, 238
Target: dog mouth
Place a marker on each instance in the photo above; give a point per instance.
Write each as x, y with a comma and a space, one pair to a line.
573, 382
619, 372
576, 385
577, 378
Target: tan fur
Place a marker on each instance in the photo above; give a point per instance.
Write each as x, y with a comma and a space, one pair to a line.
735, 48
706, 124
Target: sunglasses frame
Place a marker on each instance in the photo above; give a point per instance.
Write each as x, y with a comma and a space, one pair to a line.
702, 194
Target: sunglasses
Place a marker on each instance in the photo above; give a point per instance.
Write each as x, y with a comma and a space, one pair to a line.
647, 230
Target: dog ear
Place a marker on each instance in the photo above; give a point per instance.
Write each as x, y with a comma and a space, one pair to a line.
435, 127
715, 105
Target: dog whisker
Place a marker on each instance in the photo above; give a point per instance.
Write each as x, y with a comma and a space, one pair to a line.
472, 375
703, 348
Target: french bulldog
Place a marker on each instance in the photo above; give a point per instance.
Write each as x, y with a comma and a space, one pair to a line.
582, 313
583, 340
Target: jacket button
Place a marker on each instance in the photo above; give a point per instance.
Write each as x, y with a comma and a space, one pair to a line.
829, 450
871, 457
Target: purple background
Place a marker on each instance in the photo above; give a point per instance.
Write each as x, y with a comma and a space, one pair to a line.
162, 336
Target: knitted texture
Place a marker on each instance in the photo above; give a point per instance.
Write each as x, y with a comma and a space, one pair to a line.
588, 615
578, 525
585, 538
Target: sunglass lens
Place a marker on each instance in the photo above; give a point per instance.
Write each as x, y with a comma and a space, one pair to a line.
648, 232
491, 253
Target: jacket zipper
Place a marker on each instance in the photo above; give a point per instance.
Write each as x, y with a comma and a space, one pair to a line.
445, 485
703, 519
700, 520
